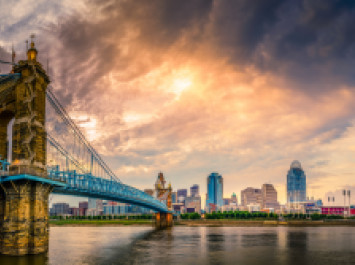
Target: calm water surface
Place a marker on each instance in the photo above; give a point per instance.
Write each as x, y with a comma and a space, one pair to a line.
195, 245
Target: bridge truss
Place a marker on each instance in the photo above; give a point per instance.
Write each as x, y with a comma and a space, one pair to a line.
75, 167
72, 159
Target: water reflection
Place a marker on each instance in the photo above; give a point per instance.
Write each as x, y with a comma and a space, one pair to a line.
297, 247
215, 246
25, 260
195, 245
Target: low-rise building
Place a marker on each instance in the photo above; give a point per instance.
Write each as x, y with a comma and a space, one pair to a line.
193, 202
338, 210
59, 209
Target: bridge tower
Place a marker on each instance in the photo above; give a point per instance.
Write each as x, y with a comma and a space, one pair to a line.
24, 197
163, 220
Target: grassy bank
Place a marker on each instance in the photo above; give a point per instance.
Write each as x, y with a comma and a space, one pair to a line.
207, 223
99, 222
261, 223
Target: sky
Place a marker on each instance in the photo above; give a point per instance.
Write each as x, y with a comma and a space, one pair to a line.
191, 87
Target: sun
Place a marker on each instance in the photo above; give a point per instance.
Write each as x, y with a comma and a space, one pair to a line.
179, 85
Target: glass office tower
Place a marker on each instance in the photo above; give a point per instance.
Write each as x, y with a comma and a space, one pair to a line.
214, 191
296, 183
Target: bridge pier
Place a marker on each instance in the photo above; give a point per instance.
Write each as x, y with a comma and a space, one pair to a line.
163, 220
24, 217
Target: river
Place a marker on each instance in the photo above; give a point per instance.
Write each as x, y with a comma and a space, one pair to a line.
195, 245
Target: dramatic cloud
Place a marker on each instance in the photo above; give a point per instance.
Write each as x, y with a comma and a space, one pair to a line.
190, 87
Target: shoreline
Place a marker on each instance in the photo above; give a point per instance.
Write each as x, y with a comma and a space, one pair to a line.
265, 223
207, 223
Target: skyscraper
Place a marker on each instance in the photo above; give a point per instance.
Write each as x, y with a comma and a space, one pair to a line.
181, 195
250, 196
174, 197
214, 191
296, 183
269, 197
194, 190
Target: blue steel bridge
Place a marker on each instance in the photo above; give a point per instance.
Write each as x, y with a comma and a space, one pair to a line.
47, 153
73, 166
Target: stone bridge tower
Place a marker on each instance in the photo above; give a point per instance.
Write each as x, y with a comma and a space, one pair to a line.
23, 99
163, 220
23, 192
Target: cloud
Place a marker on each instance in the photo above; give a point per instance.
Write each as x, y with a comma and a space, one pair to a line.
189, 87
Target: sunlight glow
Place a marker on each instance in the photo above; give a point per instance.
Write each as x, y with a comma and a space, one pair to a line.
179, 85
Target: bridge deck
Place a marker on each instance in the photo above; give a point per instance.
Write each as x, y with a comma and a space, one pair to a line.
86, 185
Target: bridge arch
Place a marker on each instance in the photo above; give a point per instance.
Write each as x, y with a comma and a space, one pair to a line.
6, 122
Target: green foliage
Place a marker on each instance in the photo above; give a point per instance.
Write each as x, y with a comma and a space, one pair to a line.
240, 215
191, 216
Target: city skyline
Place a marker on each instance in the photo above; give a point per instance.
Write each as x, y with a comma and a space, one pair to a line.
224, 95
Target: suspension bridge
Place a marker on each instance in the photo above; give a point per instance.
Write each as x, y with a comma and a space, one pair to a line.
43, 151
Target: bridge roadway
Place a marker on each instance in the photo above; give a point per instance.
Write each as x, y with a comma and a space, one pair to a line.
87, 185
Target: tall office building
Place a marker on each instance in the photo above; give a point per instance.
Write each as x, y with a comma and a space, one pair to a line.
269, 197
296, 183
181, 195
214, 198
195, 190
174, 197
83, 206
250, 196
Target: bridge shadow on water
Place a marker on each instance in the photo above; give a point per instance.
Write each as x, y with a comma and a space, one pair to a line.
115, 254
143, 249
41, 259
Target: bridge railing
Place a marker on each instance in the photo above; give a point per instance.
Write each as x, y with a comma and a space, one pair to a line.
89, 185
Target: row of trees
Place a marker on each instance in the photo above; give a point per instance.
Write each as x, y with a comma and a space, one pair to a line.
215, 215
104, 217
240, 215
191, 216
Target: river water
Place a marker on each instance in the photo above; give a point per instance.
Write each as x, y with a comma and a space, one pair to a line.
195, 245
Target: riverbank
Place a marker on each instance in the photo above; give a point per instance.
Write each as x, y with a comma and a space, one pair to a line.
100, 222
207, 223
263, 223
